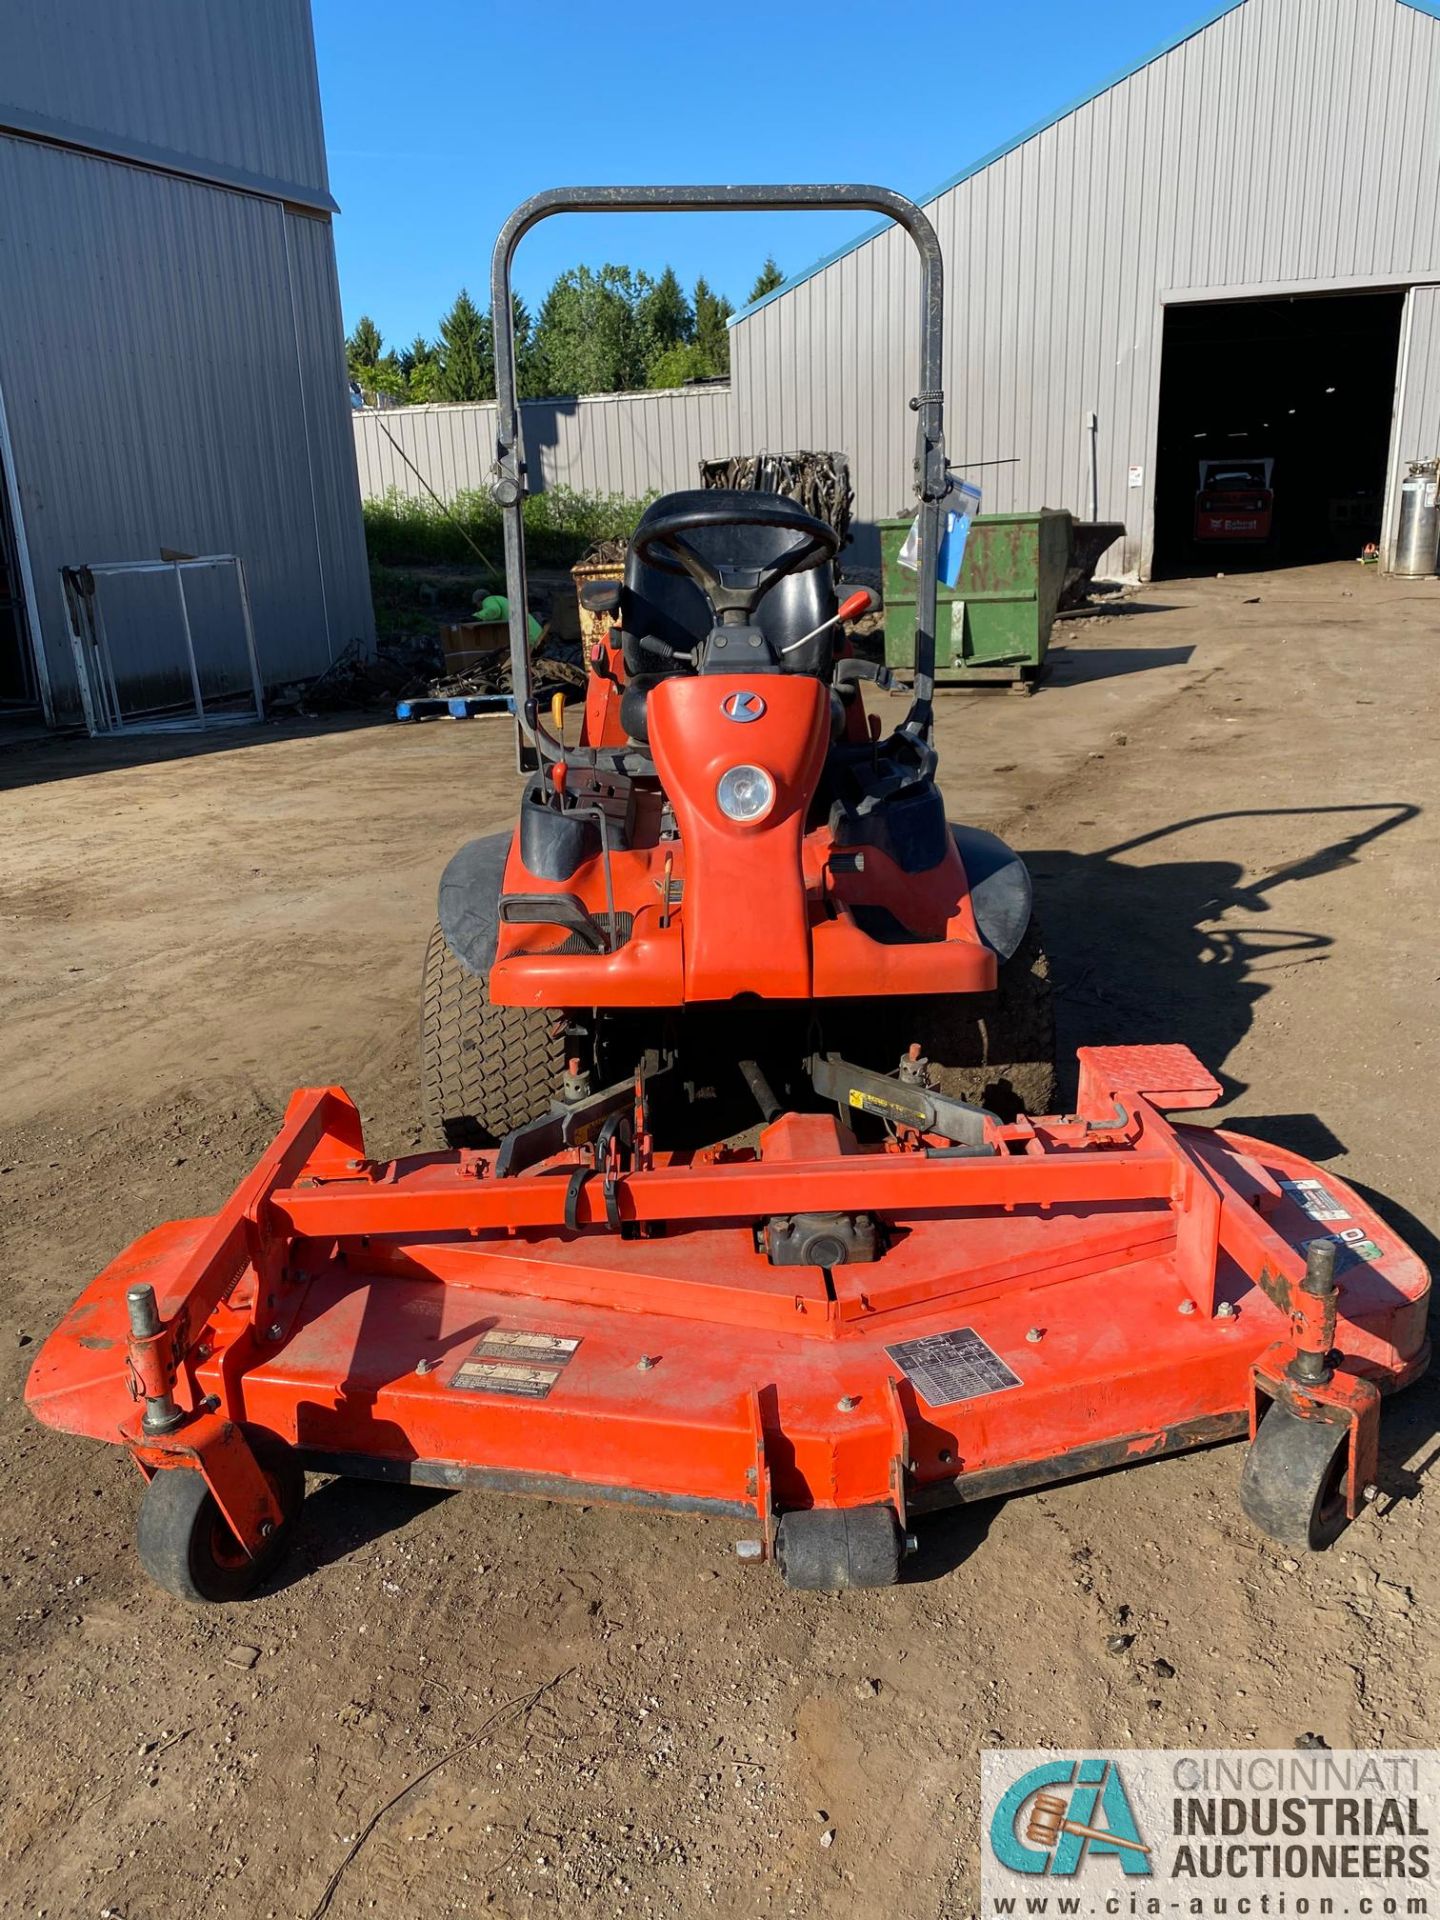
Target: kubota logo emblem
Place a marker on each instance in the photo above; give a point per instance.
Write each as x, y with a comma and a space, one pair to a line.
742, 706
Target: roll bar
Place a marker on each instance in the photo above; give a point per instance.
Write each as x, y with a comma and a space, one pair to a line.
931, 475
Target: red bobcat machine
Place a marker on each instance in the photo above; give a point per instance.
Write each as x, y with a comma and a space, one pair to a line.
712, 1233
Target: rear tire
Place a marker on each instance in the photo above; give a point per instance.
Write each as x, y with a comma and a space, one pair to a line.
1002, 1056
484, 1070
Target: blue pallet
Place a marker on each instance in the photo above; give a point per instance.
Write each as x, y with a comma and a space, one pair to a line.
460, 706
475, 706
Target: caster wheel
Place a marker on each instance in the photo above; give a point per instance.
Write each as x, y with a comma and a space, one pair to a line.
1293, 1484
828, 1549
185, 1542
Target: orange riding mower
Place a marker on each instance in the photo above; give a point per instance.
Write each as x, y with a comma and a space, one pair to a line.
752, 1201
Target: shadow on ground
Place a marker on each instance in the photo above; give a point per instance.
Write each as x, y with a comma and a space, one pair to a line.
1151, 950
1073, 666
31, 756
342, 1516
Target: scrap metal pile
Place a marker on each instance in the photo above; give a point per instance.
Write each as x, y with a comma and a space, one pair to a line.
818, 482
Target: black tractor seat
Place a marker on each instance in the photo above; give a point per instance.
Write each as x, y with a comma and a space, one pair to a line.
667, 607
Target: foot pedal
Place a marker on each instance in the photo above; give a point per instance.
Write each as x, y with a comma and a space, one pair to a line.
1169, 1077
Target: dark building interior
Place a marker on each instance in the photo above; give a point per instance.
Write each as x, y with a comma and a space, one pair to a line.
1307, 384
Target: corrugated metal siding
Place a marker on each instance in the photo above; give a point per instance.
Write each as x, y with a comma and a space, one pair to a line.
1290, 142
330, 443
155, 395
1416, 434
630, 443
231, 82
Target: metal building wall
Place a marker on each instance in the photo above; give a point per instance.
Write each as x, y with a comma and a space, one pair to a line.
172, 362
630, 443
169, 381
1289, 145
225, 88
324, 385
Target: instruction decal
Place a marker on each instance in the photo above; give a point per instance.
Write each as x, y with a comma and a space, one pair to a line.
1312, 1197
902, 1112
1317, 1203
515, 1361
945, 1368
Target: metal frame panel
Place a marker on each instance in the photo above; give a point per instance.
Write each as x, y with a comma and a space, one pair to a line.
104, 709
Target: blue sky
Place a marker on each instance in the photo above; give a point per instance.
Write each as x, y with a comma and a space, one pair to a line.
427, 158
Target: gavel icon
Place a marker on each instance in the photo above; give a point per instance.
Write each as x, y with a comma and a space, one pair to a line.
1047, 1822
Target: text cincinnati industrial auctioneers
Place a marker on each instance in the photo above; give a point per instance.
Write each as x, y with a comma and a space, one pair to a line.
1277, 1835
1322, 1816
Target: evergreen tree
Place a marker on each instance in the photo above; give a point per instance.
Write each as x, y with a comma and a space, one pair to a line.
712, 335
766, 281
667, 318
365, 346
422, 368
373, 370
466, 352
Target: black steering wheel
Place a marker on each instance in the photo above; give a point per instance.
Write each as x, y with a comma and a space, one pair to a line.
733, 590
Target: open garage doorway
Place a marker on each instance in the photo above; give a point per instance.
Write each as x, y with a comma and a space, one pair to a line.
1274, 433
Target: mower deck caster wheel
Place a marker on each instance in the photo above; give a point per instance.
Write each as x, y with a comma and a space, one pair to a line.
830, 1548
185, 1543
1293, 1483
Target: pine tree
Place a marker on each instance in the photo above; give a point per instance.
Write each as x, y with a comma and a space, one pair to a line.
466, 352
666, 317
766, 281
712, 336
365, 346
422, 368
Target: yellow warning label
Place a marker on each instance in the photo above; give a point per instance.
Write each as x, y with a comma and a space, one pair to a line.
889, 1109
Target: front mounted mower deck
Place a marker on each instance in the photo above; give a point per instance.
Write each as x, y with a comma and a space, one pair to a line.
1041, 1300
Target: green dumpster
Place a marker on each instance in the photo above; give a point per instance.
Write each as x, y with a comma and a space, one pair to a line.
995, 623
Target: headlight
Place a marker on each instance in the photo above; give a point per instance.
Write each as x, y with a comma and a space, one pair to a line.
745, 793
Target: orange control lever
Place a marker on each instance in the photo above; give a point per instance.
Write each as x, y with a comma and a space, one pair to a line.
851, 608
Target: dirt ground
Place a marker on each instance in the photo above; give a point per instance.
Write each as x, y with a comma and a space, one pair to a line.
1229, 791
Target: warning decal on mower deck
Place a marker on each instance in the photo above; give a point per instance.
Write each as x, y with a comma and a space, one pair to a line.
946, 1367
511, 1360
1316, 1200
